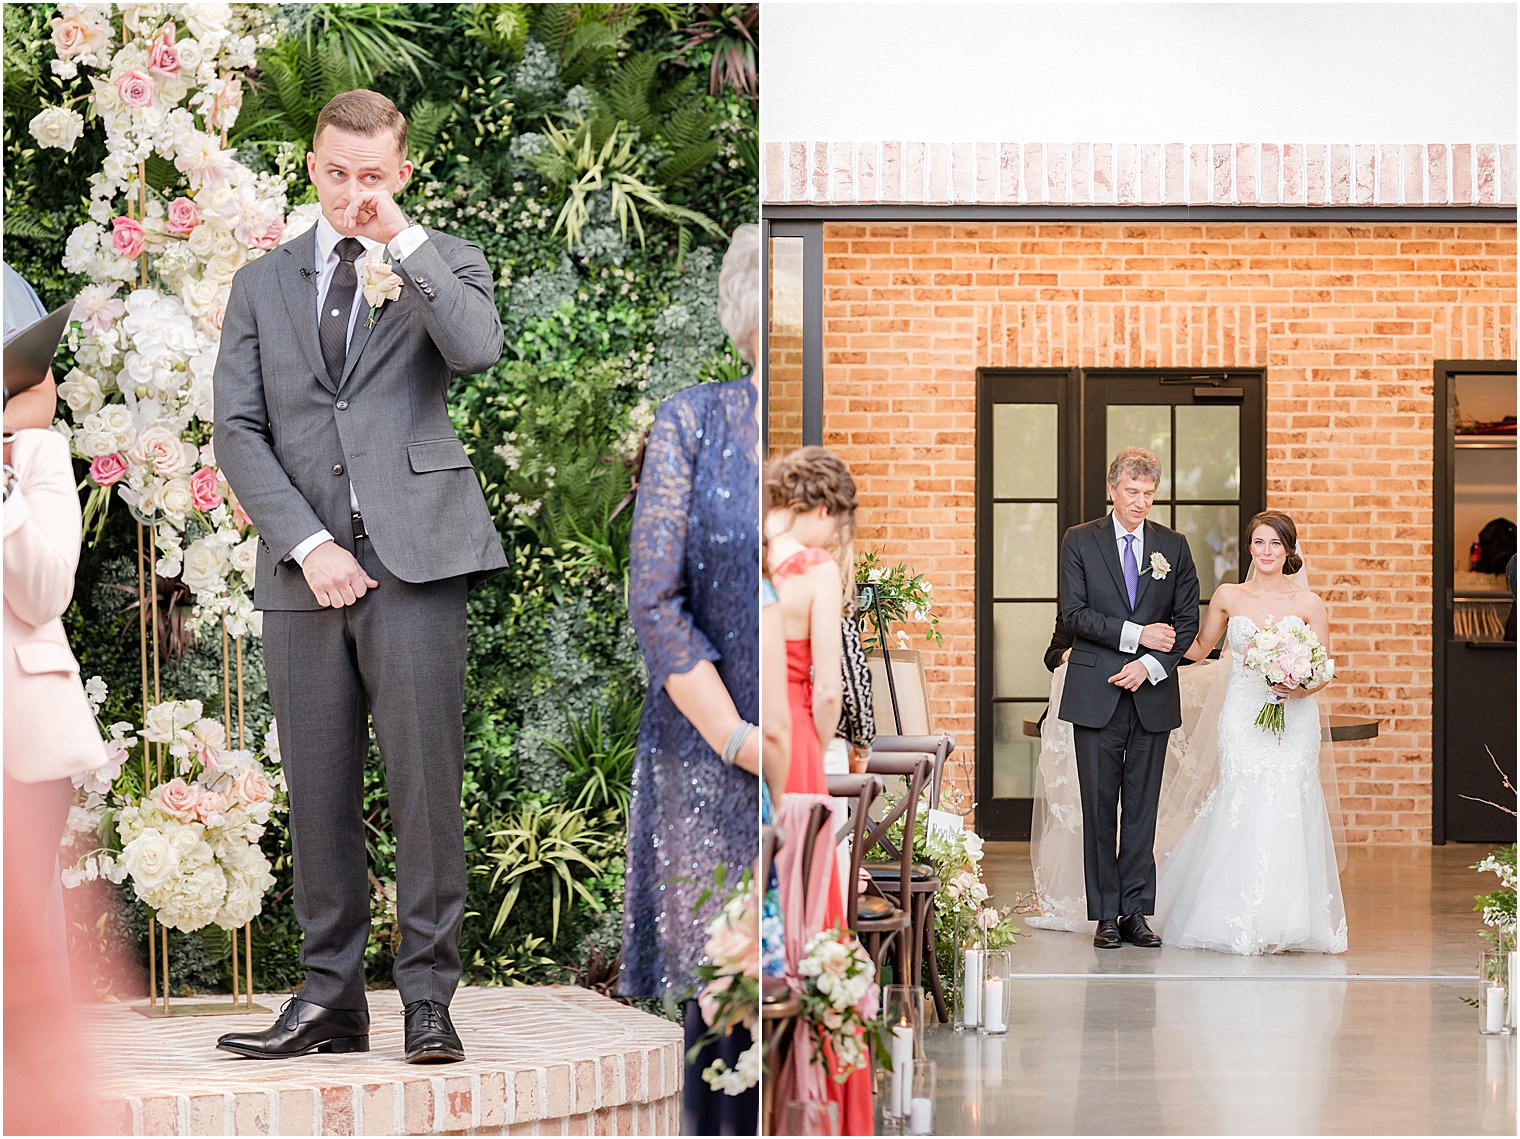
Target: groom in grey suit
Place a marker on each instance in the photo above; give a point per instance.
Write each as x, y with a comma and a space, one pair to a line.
333, 431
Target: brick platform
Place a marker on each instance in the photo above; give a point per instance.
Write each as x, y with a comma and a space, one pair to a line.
560, 1061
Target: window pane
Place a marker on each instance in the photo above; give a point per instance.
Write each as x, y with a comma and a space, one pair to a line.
1025, 438
784, 351
1208, 452
1015, 756
1021, 631
1143, 425
1024, 549
1213, 534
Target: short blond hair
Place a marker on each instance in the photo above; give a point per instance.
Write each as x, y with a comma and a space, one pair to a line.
362, 112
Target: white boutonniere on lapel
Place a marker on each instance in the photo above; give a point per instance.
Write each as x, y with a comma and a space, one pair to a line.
380, 283
1158, 568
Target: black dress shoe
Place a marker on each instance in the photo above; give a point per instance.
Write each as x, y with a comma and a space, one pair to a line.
1136, 932
302, 1027
430, 1035
1107, 936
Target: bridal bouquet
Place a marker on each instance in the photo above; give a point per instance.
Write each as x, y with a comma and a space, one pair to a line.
1286, 652
190, 844
840, 1001
730, 998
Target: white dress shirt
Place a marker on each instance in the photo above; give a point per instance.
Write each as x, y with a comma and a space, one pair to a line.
403, 245
1129, 640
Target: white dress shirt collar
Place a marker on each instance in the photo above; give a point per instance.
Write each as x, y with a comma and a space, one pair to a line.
1120, 533
328, 238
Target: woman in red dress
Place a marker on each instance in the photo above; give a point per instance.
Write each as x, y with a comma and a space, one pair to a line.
809, 521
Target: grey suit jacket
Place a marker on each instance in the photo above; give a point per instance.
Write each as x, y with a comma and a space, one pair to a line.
290, 441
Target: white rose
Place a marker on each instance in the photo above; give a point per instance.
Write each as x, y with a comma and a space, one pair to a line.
245, 556
207, 21
118, 421
82, 393
57, 127
202, 241
162, 720
206, 565
177, 500
201, 295
190, 55
149, 860
94, 442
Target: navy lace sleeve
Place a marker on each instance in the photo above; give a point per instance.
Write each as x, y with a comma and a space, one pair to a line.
657, 588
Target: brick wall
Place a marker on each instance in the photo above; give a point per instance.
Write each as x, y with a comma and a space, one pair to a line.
1348, 321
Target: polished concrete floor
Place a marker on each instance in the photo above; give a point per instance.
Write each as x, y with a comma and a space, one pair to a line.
1373, 1042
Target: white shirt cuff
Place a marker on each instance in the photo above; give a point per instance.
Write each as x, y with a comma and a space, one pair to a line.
1153, 666
306, 547
1129, 640
407, 242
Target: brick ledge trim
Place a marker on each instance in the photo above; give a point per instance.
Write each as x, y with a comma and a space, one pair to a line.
1140, 174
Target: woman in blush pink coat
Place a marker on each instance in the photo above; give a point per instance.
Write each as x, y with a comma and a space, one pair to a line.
50, 734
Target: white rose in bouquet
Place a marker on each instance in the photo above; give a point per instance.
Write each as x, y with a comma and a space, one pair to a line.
149, 860
206, 565
57, 127
82, 393
177, 500
119, 422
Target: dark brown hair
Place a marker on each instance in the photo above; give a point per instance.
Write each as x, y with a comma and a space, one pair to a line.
1286, 530
362, 112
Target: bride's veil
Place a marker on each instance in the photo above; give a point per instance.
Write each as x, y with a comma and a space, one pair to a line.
1190, 774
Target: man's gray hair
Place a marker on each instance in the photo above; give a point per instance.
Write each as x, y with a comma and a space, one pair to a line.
739, 290
1135, 463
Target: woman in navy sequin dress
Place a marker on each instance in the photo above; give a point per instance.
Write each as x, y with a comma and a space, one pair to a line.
694, 578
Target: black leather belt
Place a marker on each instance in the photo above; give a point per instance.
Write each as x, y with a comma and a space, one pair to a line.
359, 530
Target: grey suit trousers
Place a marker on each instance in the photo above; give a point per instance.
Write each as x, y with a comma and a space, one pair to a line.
397, 656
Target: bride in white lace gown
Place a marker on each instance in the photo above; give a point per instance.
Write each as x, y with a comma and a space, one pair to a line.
1256, 870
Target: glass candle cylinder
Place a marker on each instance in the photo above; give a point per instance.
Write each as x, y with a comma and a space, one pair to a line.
1493, 992
920, 1118
970, 974
997, 992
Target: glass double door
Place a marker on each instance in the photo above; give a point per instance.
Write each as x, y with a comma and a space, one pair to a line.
1044, 441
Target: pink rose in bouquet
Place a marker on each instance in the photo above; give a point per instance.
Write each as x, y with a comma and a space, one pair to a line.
127, 236
136, 89
205, 489
178, 798
107, 470
184, 216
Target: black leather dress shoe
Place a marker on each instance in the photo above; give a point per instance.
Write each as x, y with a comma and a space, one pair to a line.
1107, 936
430, 1035
302, 1027
1136, 932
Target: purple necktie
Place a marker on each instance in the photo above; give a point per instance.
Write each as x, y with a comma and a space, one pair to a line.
1131, 568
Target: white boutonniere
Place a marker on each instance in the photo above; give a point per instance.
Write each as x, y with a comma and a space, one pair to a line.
380, 283
1159, 567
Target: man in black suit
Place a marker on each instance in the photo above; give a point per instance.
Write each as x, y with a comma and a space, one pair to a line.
1129, 598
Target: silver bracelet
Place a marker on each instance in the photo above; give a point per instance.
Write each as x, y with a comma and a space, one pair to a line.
736, 740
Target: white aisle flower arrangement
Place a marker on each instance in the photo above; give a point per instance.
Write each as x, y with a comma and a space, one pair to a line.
165, 80
189, 845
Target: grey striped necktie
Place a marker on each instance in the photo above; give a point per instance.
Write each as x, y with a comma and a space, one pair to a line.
338, 308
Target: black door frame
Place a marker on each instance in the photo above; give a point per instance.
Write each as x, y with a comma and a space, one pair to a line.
998, 818
1084, 448
1441, 592
811, 233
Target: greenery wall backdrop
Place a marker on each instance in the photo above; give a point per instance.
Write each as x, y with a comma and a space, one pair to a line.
598, 153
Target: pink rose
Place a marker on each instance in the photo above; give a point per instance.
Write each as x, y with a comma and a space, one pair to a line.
178, 798
204, 489
252, 787
127, 236
210, 807
72, 36
240, 516
184, 215
107, 470
870, 1004
136, 88
163, 58
157, 448
271, 236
